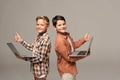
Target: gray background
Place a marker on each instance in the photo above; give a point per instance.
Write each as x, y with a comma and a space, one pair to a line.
101, 18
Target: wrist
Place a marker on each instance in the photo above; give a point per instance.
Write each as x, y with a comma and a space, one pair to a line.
21, 41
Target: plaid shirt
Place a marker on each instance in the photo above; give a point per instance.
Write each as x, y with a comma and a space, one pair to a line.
41, 49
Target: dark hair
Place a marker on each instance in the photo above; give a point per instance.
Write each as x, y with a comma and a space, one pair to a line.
56, 18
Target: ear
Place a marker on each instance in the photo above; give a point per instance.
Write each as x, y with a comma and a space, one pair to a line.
54, 27
48, 26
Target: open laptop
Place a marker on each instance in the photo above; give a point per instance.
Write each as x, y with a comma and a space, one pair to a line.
82, 52
17, 54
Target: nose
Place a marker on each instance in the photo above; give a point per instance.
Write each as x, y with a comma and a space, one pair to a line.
38, 26
63, 26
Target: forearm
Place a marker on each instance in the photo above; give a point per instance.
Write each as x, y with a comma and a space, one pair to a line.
27, 45
78, 43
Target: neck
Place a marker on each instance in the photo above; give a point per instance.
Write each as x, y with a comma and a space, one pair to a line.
61, 32
40, 34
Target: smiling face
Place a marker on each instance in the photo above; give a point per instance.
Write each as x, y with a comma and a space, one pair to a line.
41, 25
61, 26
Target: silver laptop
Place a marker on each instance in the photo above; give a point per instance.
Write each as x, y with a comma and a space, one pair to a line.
82, 52
17, 54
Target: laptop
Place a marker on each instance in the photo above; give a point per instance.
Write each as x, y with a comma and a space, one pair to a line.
17, 54
82, 52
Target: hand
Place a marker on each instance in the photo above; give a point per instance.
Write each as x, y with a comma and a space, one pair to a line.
18, 38
86, 37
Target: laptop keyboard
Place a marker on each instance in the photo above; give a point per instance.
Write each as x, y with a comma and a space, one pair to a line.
82, 52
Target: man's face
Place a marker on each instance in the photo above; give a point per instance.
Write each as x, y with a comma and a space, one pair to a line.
41, 25
61, 26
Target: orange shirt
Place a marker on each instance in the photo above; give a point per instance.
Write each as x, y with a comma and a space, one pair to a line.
66, 64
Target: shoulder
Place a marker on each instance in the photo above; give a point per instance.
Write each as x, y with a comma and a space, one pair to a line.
60, 39
46, 38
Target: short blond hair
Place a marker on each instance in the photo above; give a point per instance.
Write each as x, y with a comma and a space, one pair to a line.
44, 18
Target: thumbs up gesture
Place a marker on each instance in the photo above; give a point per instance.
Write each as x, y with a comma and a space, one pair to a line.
18, 38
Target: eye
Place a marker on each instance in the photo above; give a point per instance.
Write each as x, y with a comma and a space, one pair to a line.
64, 23
59, 25
37, 24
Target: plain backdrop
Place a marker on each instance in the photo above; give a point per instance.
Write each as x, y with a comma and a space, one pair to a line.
100, 18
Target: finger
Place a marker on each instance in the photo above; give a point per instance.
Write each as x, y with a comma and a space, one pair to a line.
86, 35
17, 34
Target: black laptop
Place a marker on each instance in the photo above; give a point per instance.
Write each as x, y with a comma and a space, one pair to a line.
82, 52
17, 54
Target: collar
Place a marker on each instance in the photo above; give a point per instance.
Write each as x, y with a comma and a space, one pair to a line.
64, 35
40, 34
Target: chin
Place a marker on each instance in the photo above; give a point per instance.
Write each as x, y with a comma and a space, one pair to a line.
63, 31
40, 31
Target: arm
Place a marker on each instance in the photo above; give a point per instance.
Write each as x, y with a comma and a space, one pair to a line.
27, 45
78, 43
62, 49
81, 41
24, 43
